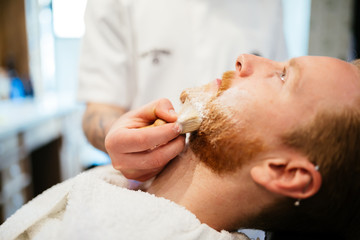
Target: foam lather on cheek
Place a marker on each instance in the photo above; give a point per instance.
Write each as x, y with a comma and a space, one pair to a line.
197, 98
195, 101
199, 103
235, 99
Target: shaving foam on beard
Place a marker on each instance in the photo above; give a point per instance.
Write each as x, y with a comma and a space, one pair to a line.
193, 109
194, 100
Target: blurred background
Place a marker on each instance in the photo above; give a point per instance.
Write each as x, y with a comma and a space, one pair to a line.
41, 141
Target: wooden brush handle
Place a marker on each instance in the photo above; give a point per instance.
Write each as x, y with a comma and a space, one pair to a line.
158, 122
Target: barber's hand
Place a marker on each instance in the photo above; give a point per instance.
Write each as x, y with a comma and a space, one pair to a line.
141, 152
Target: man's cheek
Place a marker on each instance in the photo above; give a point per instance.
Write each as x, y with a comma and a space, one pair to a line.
235, 99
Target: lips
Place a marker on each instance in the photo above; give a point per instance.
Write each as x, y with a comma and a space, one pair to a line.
218, 82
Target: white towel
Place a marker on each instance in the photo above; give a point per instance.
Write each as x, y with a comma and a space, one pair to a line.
98, 205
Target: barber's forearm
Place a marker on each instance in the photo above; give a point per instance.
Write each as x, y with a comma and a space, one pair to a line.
97, 121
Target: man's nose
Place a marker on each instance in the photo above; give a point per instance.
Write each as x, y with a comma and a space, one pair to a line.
247, 63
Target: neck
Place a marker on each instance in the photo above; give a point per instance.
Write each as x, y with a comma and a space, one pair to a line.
217, 200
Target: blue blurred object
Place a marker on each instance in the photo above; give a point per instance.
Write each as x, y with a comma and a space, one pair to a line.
17, 88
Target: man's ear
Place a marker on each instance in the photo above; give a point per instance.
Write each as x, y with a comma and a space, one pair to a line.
294, 176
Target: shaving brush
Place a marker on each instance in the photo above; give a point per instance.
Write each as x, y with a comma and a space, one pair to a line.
189, 117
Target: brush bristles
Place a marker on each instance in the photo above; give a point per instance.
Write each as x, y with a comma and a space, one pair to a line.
189, 118
190, 125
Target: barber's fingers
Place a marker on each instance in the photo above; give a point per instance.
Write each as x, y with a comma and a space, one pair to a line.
161, 155
155, 158
141, 139
165, 110
161, 108
142, 166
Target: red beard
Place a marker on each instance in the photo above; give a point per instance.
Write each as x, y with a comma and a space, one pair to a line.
220, 143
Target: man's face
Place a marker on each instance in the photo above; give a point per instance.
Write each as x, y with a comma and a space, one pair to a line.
264, 99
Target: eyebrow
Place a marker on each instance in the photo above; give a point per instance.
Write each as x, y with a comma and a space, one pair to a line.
294, 69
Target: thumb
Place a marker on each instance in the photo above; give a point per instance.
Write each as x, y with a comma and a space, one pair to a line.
165, 110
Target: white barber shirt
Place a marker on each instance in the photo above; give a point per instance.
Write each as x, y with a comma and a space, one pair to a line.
136, 51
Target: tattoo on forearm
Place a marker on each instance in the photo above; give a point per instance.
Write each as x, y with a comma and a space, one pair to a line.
96, 125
